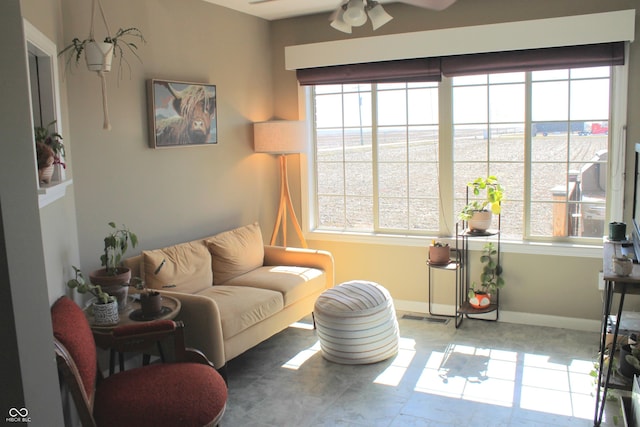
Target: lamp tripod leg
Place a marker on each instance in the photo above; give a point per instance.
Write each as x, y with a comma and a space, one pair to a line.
284, 205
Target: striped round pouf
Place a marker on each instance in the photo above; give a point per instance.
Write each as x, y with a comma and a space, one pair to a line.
356, 323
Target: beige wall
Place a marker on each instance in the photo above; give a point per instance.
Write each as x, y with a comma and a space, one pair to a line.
543, 285
172, 195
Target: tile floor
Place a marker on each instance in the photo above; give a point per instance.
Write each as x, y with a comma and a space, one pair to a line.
483, 374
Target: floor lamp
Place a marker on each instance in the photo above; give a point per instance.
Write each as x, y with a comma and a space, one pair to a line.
282, 137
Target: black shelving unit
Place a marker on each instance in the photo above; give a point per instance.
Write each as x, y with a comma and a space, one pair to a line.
458, 264
464, 308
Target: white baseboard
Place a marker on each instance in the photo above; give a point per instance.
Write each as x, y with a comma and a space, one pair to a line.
506, 316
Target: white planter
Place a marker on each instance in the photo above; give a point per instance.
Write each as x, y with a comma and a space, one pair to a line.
105, 314
480, 221
59, 173
98, 56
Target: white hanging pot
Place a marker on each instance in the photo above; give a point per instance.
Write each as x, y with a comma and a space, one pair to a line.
99, 56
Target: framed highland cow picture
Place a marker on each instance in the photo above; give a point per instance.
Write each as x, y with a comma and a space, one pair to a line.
181, 114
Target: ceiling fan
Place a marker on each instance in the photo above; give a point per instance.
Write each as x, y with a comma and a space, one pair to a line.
426, 4
353, 13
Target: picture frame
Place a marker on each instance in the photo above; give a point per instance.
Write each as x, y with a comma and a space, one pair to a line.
181, 113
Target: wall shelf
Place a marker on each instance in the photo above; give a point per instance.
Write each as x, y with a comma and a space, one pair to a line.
49, 193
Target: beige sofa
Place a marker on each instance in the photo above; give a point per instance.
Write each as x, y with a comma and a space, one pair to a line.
235, 292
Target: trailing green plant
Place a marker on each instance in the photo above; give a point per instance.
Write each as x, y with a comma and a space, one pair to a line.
125, 39
491, 275
494, 194
80, 284
116, 244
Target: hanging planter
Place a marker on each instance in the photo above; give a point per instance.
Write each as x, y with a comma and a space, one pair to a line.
99, 55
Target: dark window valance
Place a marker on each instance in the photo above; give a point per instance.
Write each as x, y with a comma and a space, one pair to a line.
405, 70
594, 55
432, 69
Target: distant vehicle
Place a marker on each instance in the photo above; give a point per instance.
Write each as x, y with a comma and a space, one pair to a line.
580, 127
545, 128
600, 128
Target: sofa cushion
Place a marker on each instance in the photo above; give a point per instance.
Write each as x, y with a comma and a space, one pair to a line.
294, 283
235, 252
242, 307
187, 266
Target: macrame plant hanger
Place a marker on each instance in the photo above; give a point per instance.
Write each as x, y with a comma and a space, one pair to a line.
101, 73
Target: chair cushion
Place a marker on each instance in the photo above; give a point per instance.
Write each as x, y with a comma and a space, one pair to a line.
169, 394
71, 328
294, 283
236, 252
187, 266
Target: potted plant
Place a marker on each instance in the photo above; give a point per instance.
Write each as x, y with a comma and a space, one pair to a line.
49, 152
105, 306
99, 54
478, 213
150, 299
490, 278
112, 276
439, 253
629, 361
622, 265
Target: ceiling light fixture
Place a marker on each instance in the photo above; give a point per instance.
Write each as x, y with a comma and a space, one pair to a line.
353, 13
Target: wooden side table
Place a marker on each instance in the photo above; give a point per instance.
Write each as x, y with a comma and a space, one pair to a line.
131, 315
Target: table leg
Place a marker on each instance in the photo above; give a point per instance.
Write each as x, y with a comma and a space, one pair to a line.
602, 398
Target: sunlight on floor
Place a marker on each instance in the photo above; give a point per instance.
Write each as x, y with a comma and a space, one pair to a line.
490, 376
394, 373
505, 378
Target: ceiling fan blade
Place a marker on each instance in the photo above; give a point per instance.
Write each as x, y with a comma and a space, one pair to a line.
430, 4
258, 1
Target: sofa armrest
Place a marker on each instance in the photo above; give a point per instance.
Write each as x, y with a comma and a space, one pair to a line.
203, 326
300, 257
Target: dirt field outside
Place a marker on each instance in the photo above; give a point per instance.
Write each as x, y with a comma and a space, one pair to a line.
408, 177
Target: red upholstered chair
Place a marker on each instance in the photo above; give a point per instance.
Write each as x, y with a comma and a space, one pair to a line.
189, 392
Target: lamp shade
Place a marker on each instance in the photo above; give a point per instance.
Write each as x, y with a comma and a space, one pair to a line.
280, 137
355, 14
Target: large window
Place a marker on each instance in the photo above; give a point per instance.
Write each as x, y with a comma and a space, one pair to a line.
395, 158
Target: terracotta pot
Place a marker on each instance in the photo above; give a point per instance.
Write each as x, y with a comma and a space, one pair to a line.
105, 314
117, 286
480, 221
151, 304
45, 174
439, 255
480, 300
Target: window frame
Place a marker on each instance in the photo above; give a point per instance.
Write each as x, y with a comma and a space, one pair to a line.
615, 190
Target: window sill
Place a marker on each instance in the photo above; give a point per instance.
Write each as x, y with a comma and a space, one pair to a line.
49, 193
508, 246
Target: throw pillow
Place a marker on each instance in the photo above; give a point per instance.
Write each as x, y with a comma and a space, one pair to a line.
236, 252
187, 266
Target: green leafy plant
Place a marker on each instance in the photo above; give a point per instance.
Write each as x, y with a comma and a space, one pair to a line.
494, 195
44, 138
115, 245
80, 284
125, 39
490, 278
141, 285
438, 244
